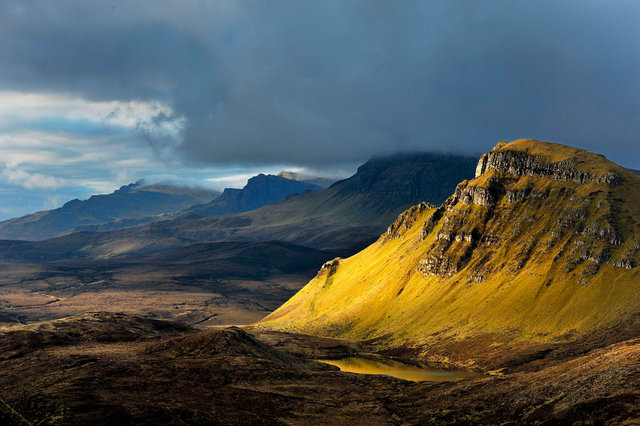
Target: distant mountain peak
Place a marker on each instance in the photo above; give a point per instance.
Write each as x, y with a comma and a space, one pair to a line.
261, 177
129, 187
259, 190
72, 203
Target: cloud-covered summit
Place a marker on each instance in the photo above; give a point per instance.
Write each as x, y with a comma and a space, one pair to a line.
312, 83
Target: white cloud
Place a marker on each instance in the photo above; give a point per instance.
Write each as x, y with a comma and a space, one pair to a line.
53, 201
234, 181
19, 107
43, 136
29, 180
102, 186
55, 147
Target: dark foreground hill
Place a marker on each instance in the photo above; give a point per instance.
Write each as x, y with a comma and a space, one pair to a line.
343, 218
128, 206
101, 368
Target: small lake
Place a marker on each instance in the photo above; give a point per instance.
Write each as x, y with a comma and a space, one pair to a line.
397, 369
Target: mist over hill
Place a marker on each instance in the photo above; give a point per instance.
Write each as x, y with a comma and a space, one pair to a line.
302, 177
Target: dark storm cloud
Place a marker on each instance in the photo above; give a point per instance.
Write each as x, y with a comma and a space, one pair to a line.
315, 82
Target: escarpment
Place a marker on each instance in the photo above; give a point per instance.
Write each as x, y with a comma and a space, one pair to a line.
585, 226
544, 242
522, 163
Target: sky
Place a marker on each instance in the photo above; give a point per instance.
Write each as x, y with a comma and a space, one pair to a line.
95, 95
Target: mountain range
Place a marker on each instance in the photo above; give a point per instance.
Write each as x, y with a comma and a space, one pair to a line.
128, 206
138, 204
219, 269
343, 218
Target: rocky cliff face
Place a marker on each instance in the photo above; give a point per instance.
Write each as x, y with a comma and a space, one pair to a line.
519, 163
405, 221
584, 227
544, 241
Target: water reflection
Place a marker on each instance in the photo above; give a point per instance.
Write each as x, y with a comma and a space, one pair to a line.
397, 369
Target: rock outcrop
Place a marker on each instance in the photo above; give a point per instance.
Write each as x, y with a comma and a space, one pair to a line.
405, 221
519, 163
497, 187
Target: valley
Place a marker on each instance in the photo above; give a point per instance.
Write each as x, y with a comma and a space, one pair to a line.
215, 283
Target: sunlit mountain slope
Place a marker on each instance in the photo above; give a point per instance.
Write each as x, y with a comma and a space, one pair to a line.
542, 244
